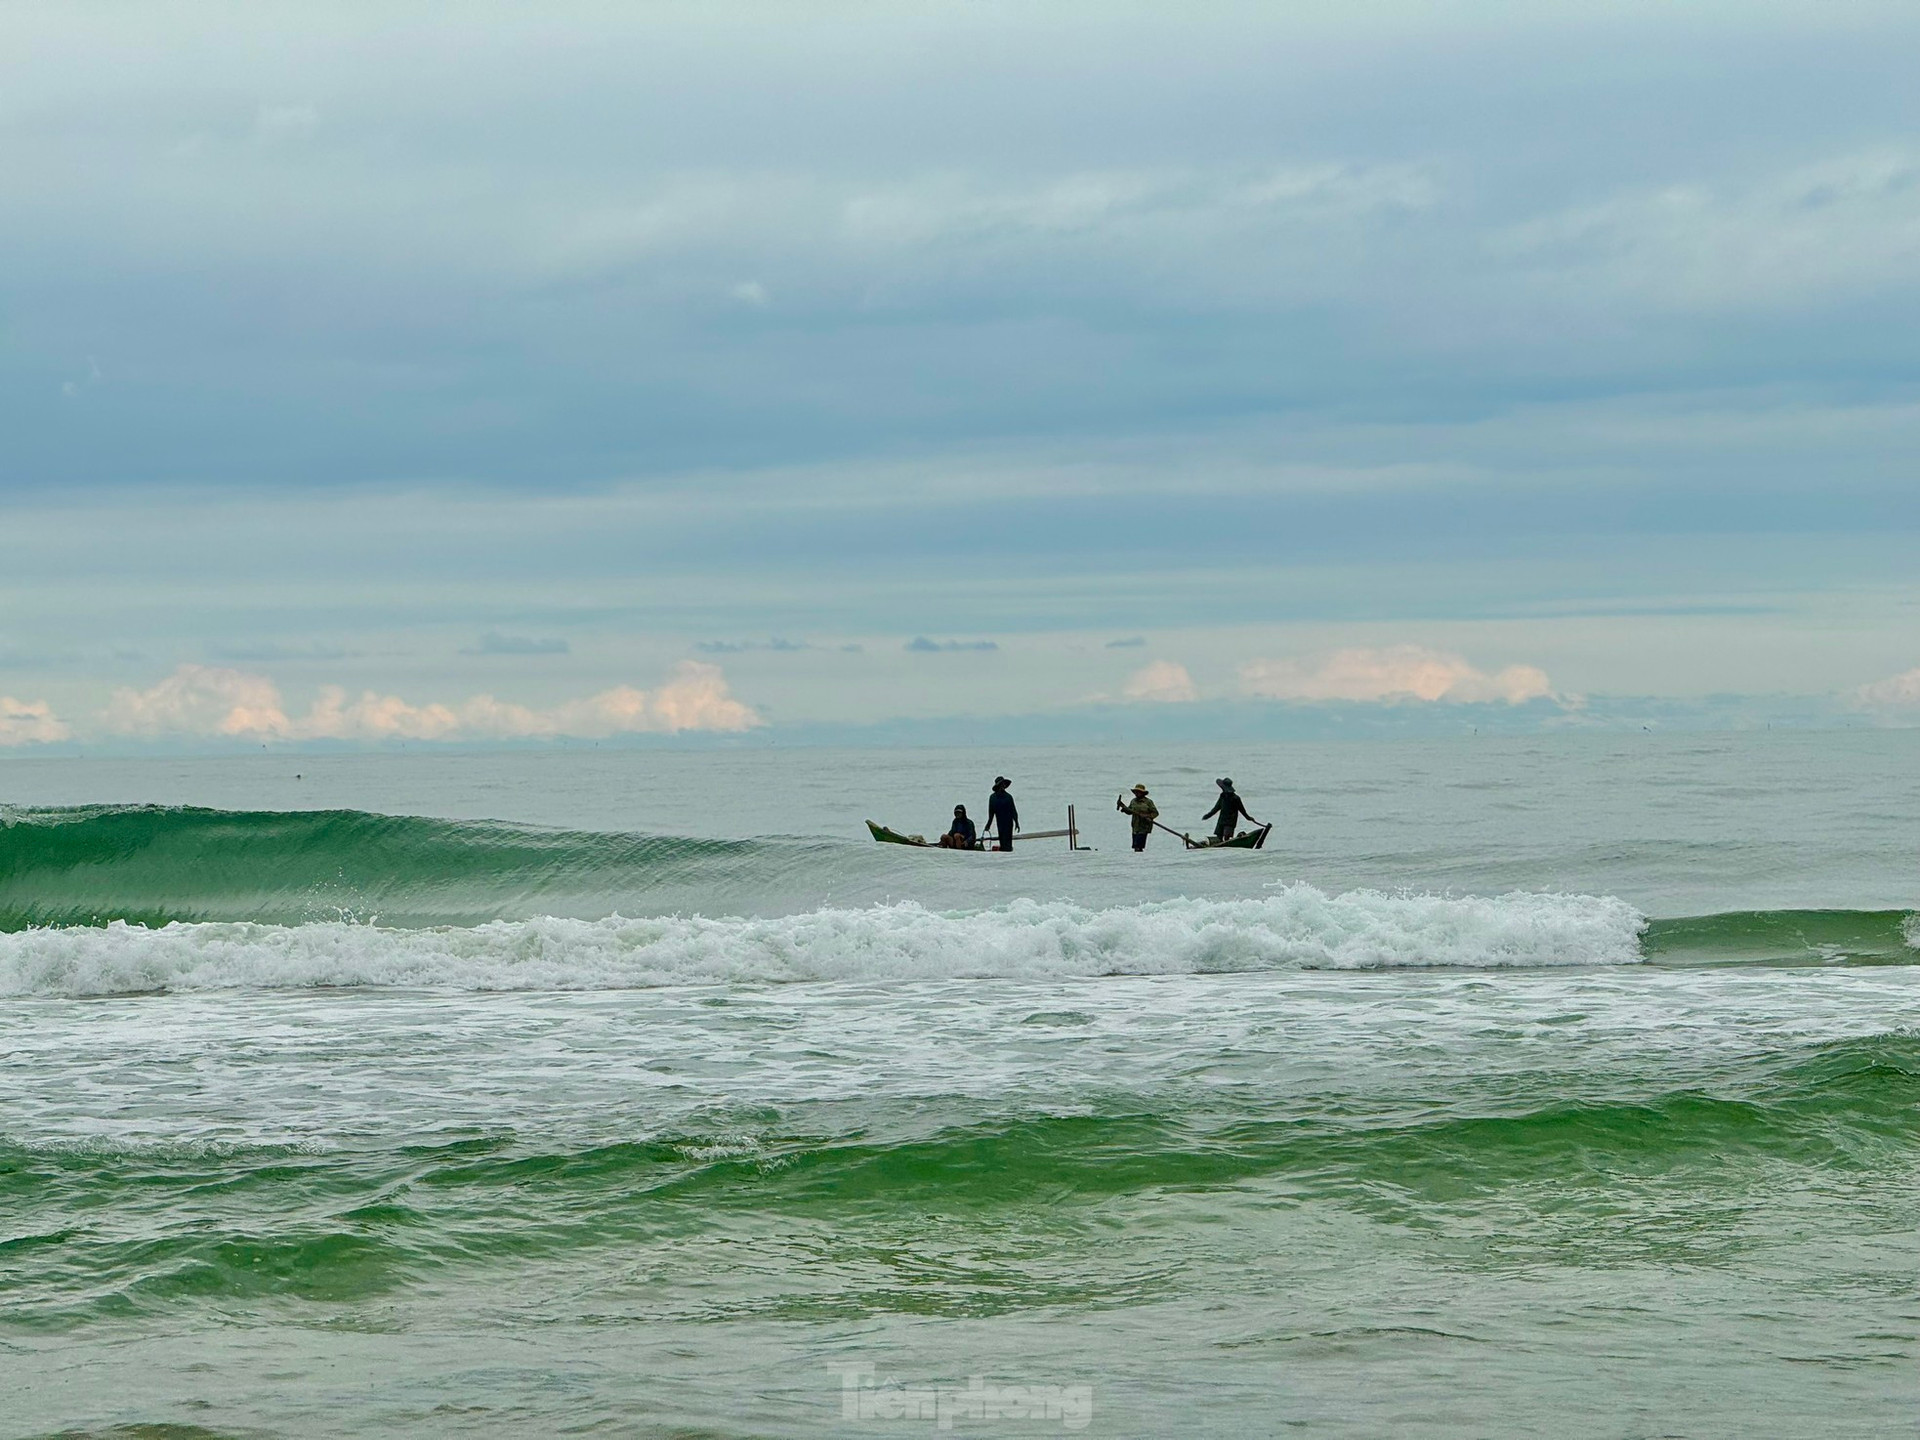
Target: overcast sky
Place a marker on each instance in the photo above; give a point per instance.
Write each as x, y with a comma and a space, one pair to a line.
499, 371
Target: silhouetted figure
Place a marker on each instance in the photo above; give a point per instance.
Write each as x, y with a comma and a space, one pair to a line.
960, 835
1002, 818
1229, 807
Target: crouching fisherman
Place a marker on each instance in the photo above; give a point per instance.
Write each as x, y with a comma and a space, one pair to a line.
1143, 813
960, 835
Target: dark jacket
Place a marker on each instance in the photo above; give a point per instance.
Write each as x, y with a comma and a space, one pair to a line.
1229, 808
963, 827
1001, 815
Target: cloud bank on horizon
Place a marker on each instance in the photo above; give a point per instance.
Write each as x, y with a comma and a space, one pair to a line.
984, 358
214, 704
1401, 672
199, 701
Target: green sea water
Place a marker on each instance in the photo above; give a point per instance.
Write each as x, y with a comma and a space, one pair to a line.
1561, 1086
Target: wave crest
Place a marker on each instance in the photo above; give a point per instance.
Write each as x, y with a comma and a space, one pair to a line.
1297, 927
152, 864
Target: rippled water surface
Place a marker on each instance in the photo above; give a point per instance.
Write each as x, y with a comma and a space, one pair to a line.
1566, 1086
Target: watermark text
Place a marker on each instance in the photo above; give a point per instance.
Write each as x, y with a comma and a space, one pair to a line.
864, 1396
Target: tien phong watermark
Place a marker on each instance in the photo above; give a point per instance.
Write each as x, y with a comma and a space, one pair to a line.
863, 1396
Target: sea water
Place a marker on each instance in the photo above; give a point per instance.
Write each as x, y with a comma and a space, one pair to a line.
1567, 1085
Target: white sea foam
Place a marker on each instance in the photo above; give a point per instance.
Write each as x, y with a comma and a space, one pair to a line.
1298, 927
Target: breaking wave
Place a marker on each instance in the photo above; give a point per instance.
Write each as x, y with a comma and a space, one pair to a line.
1298, 927
115, 899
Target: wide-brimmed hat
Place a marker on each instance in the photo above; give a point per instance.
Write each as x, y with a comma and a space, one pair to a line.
1000, 780
1224, 783
1139, 789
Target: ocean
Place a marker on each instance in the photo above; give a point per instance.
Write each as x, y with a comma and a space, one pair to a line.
1564, 1085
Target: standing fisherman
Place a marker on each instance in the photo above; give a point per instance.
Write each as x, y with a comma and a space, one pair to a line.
1230, 807
1143, 813
1001, 814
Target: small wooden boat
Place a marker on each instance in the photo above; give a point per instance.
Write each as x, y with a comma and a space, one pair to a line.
1245, 840
894, 837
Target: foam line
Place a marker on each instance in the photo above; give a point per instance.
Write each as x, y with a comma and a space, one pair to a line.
1297, 927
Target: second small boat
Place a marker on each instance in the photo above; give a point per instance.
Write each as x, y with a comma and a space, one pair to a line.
1245, 840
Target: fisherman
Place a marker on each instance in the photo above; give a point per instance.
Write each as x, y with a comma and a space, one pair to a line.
1143, 812
1229, 807
961, 834
1001, 814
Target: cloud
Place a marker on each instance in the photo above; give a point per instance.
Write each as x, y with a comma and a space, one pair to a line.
1031, 358
1163, 682
696, 698
269, 651
1025, 256
921, 645
388, 717
12, 659
741, 647
72, 388
1135, 217
899, 231
494, 643
1132, 642
1846, 225
1896, 693
30, 722
1392, 674
199, 700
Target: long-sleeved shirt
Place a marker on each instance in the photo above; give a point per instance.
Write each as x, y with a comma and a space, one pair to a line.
1230, 807
1144, 813
963, 827
1001, 815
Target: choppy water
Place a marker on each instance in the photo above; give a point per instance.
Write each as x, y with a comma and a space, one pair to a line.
1517, 1087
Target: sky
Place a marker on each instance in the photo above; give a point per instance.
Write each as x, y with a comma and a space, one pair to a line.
502, 373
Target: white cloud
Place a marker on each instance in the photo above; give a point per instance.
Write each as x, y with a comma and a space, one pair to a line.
30, 722
1392, 673
1896, 692
206, 701
1162, 681
200, 700
73, 388
695, 698
942, 208
386, 717
921, 237
1847, 225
